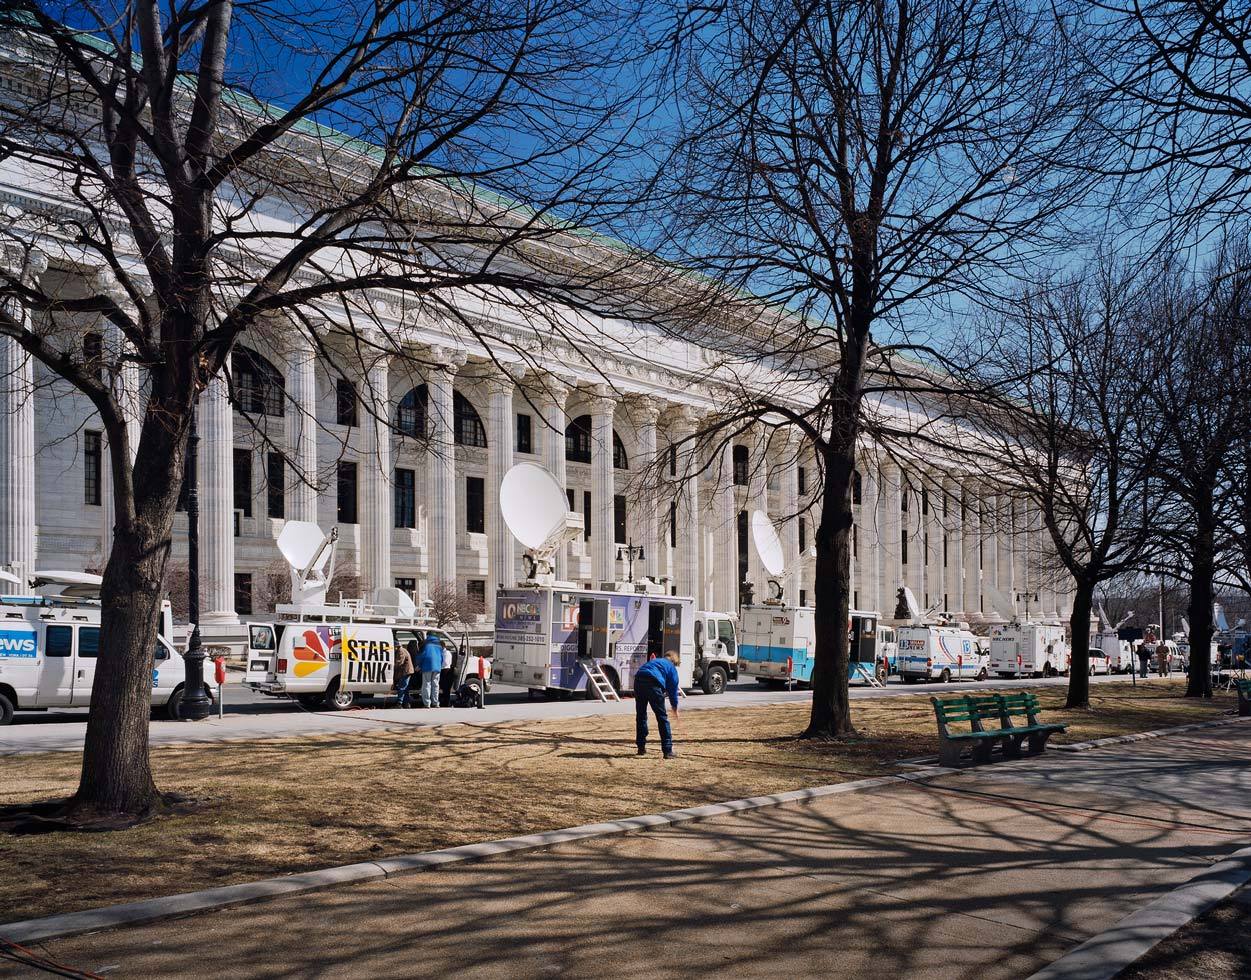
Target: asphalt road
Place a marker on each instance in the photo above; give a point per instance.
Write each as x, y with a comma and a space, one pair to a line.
249, 716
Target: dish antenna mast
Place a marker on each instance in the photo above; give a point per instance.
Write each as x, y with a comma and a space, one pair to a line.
769, 548
310, 554
1105, 620
534, 506
907, 605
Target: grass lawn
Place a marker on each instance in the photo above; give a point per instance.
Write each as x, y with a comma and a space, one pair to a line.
282, 806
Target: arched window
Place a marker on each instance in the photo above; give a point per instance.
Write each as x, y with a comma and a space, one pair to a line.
741, 466
258, 386
578, 440
469, 430
620, 461
578, 444
410, 414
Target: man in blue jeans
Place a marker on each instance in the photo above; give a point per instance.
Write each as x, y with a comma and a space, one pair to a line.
655, 681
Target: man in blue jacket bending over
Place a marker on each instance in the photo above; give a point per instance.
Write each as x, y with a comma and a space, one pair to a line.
656, 680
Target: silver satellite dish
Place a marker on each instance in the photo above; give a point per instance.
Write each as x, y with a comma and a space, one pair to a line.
534, 506
910, 600
1218, 614
9, 577
768, 545
1185, 626
310, 554
394, 602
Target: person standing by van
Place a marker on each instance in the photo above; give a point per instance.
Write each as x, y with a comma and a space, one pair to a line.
655, 681
431, 664
404, 670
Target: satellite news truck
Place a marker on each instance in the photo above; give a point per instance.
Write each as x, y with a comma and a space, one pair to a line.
1028, 650
49, 646
778, 644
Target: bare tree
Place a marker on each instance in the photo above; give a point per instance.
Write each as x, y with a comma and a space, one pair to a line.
398, 137
1071, 378
863, 168
1200, 365
452, 605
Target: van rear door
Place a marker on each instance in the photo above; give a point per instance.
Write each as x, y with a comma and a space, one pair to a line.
86, 650
262, 652
56, 678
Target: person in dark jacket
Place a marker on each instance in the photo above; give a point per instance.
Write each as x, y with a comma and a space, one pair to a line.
656, 681
404, 670
431, 664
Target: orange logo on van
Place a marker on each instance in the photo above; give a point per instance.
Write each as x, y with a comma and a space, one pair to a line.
312, 654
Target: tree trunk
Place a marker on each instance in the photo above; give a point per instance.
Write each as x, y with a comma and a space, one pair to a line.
1199, 610
1079, 630
116, 781
831, 705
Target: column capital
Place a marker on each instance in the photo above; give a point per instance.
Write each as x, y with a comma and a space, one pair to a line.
681, 416
602, 398
546, 388
26, 263
446, 360
501, 380
644, 410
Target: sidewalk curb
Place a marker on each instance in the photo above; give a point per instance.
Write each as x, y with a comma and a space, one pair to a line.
171, 906
1142, 736
1104, 956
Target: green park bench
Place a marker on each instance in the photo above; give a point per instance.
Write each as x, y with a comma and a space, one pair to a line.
1003, 709
1244, 698
970, 712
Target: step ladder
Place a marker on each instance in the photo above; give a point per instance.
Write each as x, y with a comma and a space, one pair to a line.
869, 676
598, 680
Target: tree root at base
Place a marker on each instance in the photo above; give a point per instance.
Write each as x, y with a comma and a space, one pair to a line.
68, 815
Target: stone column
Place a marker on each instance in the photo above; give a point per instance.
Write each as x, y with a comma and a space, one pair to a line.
652, 515
1006, 579
216, 472
603, 488
681, 425
725, 575
501, 546
936, 579
376, 518
551, 402
955, 549
890, 531
971, 532
17, 441
914, 574
302, 427
441, 468
788, 486
868, 522
990, 556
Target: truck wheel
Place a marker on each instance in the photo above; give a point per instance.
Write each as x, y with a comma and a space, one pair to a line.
6, 710
714, 680
882, 673
983, 674
337, 700
612, 680
174, 705
945, 676
1047, 671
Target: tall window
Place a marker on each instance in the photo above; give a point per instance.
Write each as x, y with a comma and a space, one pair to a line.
856, 487
475, 590
93, 462
742, 547
803, 535
525, 434
243, 594
586, 515
344, 402
944, 551
741, 466
410, 413
259, 388
405, 498
673, 524
905, 492
93, 353
619, 519
578, 440
855, 541
803, 484
673, 460
347, 493
243, 481
475, 505
620, 461
903, 546
468, 426
276, 485
925, 500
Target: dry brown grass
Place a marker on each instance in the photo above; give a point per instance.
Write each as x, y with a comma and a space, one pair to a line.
279, 807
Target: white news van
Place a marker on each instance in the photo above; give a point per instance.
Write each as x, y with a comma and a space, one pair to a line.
1118, 653
778, 644
940, 651
1028, 650
543, 632
49, 645
716, 651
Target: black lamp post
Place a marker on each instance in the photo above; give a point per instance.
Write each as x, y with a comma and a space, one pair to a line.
629, 554
196, 703
1026, 597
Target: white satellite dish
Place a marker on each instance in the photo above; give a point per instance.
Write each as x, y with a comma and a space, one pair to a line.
1185, 626
9, 577
395, 602
1104, 621
308, 550
532, 503
768, 545
910, 600
1218, 614
300, 542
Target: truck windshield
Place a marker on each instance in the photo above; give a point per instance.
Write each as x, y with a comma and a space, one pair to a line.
725, 633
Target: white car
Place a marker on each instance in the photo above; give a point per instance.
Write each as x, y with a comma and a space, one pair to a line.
1099, 663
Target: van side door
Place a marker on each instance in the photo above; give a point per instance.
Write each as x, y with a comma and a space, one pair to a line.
56, 674
86, 651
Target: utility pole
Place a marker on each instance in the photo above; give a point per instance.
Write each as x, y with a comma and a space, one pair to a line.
196, 703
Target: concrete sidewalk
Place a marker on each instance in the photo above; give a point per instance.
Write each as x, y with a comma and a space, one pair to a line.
988, 873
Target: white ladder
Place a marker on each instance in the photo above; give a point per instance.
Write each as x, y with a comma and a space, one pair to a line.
869, 676
599, 681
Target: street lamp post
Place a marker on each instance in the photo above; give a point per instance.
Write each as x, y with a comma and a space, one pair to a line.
1026, 597
196, 703
629, 554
